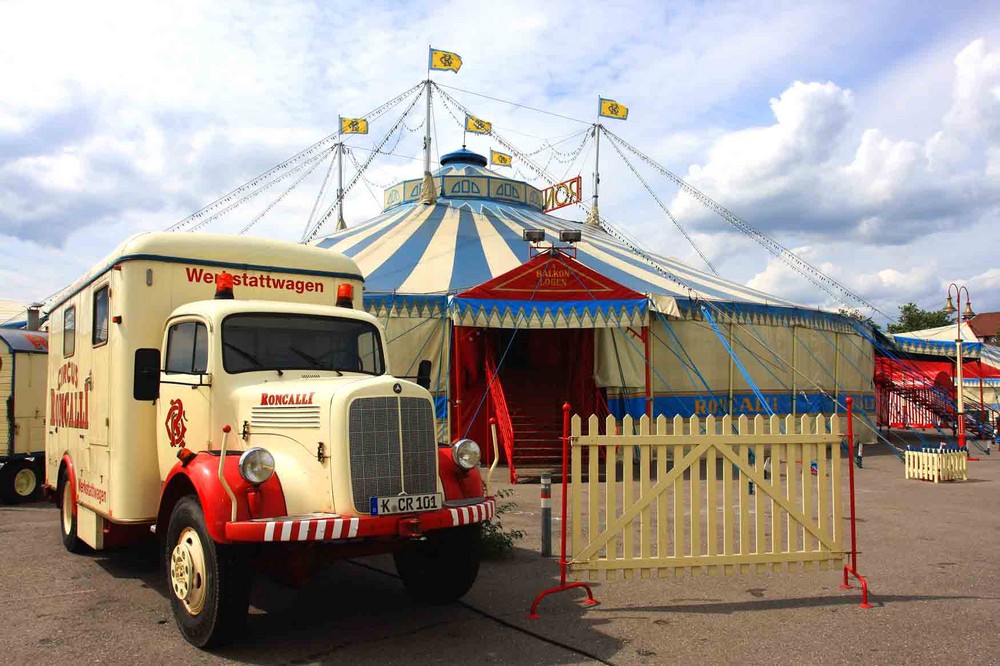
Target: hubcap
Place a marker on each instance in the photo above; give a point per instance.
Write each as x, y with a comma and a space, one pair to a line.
187, 571
67, 508
24, 482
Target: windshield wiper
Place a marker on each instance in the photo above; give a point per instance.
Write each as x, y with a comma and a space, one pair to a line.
244, 353
316, 363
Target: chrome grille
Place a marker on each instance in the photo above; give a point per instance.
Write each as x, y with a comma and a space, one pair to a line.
383, 433
301, 416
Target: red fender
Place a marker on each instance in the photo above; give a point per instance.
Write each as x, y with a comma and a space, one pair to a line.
457, 482
202, 473
72, 479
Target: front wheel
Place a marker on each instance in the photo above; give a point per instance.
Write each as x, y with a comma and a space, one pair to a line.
209, 582
443, 568
67, 514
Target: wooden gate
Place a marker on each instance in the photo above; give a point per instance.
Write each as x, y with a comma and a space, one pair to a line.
701, 495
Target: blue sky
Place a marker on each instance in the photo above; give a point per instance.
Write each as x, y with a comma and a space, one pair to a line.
864, 135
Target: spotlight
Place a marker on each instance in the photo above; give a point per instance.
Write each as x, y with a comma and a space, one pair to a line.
570, 235
533, 235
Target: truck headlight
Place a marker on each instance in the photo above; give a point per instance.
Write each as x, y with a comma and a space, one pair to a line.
256, 465
465, 453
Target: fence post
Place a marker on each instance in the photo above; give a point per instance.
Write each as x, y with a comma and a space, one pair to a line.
852, 568
546, 514
563, 562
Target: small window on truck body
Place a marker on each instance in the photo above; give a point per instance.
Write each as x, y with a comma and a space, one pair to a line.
187, 348
69, 331
100, 332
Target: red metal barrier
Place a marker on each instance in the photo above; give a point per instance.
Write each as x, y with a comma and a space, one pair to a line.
563, 563
852, 568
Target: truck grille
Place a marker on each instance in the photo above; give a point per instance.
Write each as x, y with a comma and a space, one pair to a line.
267, 416
385, 433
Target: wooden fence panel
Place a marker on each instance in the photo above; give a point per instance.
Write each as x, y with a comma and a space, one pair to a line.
777, 484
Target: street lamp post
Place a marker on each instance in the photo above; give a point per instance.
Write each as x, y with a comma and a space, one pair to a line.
950, 308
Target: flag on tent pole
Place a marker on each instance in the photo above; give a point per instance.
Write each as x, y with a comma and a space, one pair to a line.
612, 109
353, 126
477, 125
445, 60
500, 159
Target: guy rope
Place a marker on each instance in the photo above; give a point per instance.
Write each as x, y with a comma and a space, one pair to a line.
676, 497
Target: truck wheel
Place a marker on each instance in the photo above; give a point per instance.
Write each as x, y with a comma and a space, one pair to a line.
19, 482
67, 519
443, 568
209, 582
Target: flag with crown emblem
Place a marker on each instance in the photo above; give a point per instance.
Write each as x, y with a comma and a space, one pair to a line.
612, 109
500, 159
353, 126
477, 125
445, 60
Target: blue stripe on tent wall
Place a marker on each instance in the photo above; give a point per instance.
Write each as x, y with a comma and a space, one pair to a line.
470, 267
395, 217
743, 403
398, 267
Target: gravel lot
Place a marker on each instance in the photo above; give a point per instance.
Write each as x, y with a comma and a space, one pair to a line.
930, 552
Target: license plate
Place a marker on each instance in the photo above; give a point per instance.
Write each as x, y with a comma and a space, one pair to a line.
384, 506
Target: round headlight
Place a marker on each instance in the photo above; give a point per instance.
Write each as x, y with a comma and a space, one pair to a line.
465, 453
256, 465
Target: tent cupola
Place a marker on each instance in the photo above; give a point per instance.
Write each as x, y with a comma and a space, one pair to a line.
463, 156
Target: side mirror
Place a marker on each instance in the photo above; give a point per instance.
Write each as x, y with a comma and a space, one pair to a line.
146, 375
424, 374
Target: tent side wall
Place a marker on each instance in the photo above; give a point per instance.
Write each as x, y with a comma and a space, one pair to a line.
795, 369
417, 329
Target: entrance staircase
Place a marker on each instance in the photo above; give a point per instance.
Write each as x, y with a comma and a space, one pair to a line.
901, 391
535, 407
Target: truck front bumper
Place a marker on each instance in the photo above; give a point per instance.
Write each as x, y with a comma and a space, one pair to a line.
332, 527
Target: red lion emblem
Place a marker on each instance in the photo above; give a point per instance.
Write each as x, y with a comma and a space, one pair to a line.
175, 423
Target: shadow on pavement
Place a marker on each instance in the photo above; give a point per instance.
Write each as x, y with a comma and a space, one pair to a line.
728, 608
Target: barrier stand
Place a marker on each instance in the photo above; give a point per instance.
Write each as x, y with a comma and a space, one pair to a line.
852, 568
563, 585
546, 502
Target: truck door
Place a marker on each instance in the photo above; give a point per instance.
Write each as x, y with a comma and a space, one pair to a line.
184, 407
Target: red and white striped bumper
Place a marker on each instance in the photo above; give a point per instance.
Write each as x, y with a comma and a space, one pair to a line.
338, 528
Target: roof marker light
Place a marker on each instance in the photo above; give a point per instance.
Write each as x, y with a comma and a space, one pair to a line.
224, 286
345, 295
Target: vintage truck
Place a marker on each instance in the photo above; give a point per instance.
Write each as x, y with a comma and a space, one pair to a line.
229, 395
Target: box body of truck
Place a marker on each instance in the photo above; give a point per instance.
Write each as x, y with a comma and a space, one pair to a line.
23, 370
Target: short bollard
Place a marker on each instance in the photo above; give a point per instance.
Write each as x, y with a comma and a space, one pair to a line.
546, 514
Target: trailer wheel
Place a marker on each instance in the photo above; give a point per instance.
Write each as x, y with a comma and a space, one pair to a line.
443, 568
19, 482
209, 582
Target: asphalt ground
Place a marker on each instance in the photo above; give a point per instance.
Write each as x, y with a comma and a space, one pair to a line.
930, 553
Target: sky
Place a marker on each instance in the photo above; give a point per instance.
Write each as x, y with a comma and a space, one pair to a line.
865, 136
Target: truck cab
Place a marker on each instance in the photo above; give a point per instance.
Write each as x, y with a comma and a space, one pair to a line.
249, 434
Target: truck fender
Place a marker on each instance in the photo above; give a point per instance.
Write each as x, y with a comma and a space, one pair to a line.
201, 477
67, 464
457, 482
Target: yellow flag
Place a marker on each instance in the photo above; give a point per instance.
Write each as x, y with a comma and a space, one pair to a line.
500, 159
612, 109
445, 60
353, 126
477, 125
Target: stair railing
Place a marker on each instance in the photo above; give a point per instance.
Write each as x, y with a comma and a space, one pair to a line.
502, 415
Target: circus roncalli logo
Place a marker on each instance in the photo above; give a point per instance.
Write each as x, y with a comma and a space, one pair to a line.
176, 428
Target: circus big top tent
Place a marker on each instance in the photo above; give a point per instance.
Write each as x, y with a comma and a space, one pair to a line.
512, 328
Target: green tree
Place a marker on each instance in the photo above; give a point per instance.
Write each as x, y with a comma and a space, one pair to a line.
913, 318
854, 313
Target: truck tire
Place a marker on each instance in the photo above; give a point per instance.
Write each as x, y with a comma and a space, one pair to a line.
67, 519
443, 568
19, 482
209, 582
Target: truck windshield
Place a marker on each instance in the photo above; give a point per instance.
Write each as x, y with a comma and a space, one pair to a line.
253, 342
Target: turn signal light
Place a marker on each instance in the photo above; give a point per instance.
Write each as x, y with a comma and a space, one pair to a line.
345, 295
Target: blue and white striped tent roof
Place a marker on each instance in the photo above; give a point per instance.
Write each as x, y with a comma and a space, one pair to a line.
472, 234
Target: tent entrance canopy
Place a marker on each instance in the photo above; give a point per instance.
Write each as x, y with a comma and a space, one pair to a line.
551, 290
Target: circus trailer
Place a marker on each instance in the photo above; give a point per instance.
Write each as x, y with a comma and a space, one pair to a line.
520, 311
256, 430
22, 427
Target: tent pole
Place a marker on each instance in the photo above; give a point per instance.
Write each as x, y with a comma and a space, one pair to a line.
649, 381
795, 365
732, 370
